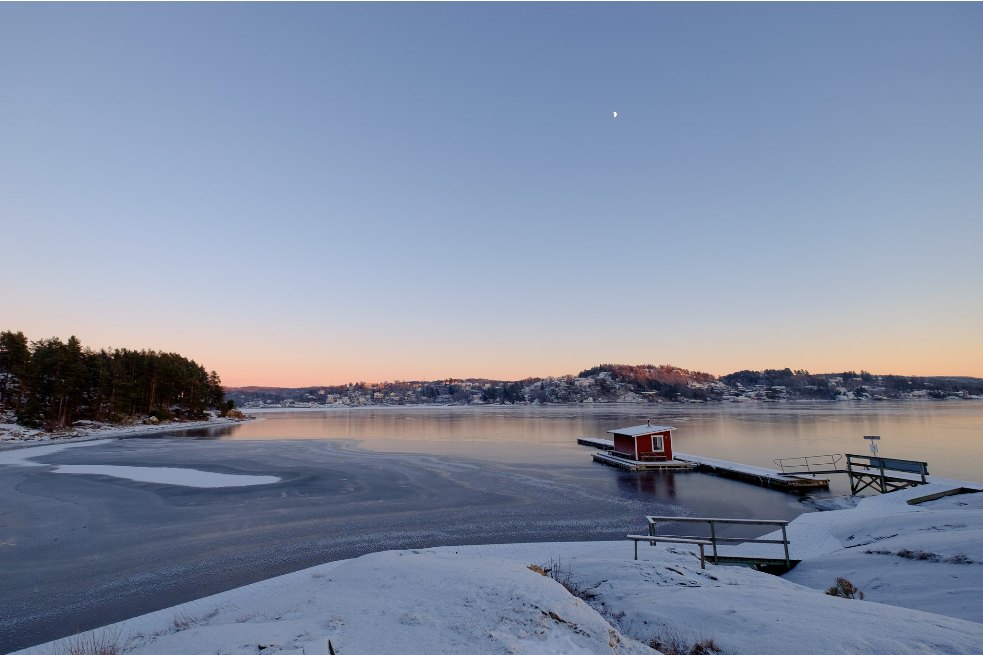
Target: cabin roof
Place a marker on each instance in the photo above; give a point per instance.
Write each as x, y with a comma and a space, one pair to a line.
639, 430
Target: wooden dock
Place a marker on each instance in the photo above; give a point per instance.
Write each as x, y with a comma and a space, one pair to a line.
684, 462
603, 444
626, 464
764, 476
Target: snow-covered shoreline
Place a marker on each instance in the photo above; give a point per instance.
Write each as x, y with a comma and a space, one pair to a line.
12, 434
919, 565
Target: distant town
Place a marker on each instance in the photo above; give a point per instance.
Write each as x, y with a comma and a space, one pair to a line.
617, 383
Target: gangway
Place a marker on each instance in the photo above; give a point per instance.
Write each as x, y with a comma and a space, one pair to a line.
882, 474
810, 464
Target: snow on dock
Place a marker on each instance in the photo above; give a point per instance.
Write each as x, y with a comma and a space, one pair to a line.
642, 465
630, 464
603, 444
764, 476
684, 461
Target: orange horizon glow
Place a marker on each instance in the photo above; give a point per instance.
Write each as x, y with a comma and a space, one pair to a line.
491, 225
288, 380
249, 359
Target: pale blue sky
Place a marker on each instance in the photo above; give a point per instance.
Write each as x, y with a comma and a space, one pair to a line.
301, 194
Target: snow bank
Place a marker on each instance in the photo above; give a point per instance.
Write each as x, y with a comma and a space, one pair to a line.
927, 556
486, 599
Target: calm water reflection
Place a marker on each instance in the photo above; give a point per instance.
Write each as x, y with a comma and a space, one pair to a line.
947, 434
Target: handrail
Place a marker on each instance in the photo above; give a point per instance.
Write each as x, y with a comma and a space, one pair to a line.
704, 519
809, 462
714, 539
673, 540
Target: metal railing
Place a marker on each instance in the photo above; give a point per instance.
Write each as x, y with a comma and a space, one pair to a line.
653, 521
673, 540
810, 464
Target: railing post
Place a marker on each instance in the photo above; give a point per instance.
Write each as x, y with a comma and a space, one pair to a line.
703, 559
788, 564
713, 541
636, 548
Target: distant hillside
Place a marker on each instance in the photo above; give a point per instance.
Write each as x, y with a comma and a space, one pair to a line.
609, 383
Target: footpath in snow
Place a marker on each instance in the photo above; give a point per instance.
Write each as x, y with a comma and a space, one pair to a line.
920, 568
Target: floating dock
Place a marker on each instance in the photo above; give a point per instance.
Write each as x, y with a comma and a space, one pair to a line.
764, 476
684, 462
633, 465
630, 464
603, 444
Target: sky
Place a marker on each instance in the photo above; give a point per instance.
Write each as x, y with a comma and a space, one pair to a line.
304, 194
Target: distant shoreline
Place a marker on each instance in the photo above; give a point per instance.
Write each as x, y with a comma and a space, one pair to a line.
670, 403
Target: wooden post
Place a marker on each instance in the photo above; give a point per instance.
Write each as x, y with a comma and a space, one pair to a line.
636, 548
713, 540
788, 565
703, 559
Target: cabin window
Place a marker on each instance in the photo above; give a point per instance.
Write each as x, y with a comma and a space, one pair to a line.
657, 443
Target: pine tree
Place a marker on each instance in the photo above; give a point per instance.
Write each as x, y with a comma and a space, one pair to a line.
14, 359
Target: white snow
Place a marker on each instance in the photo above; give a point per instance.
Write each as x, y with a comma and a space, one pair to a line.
23, 456
485, 599
169, 475
158, 474
12, 433
730, 466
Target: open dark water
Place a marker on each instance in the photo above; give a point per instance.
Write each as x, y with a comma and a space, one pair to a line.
78, 551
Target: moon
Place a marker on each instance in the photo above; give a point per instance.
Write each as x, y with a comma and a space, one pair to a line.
614, 114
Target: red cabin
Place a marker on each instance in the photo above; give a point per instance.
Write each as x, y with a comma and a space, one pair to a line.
643, 442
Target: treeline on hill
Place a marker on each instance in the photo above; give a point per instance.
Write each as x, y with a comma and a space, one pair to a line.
625, 383
665, 380
801, 384
51, 384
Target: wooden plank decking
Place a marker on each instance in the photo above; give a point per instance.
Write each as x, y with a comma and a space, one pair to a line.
634, 465
763, 476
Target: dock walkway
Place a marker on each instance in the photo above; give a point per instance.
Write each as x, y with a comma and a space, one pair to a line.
603, 444
684, 461
764, 476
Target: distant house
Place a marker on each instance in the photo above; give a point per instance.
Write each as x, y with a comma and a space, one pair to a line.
643, 442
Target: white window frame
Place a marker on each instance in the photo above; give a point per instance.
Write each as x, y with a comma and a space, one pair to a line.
661, 448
